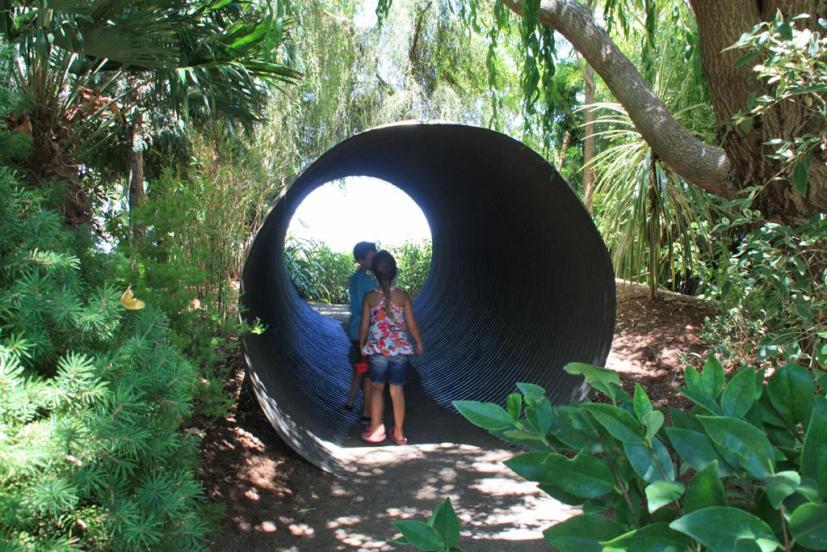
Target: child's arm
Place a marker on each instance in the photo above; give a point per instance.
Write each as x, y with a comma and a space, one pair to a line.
365, 325
410, 320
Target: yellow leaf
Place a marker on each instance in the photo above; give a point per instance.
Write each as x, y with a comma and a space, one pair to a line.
129, 302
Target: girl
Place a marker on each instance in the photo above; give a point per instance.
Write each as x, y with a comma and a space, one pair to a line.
387, 320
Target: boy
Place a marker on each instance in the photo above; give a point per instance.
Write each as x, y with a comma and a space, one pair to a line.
360, 284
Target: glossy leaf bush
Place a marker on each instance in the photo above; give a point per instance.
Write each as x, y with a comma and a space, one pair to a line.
745, 469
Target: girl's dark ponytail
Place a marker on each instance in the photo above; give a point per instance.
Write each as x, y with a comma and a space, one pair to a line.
384, 268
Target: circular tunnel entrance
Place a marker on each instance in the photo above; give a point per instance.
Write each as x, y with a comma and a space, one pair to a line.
520, 283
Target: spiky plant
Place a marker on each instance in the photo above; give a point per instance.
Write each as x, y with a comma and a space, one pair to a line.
92, 399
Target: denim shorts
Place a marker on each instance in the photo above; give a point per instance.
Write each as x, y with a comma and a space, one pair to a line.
391, 368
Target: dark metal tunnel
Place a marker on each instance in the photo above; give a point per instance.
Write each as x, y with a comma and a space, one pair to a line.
520, 282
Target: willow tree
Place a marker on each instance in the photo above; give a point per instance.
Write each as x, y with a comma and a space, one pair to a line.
789, 191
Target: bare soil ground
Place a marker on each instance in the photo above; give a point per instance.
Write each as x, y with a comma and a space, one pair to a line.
276, 501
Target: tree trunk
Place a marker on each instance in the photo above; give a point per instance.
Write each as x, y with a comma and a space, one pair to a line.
720, 24
588, 138
741, 163
564, 148
137, 190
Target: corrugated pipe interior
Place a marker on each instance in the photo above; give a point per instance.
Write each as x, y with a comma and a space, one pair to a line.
520, 284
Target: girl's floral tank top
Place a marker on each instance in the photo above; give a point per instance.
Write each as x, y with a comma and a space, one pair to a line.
388, 335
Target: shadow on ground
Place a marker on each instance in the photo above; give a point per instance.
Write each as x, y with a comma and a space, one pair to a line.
278, 502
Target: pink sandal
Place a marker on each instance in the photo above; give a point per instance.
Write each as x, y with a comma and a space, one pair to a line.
399, 442
376, 436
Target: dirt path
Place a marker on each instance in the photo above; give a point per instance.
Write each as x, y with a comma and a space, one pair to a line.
277, 502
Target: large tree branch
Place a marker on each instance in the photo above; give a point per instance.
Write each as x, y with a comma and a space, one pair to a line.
700, 164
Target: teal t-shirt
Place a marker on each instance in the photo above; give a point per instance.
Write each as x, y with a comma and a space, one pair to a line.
360, 284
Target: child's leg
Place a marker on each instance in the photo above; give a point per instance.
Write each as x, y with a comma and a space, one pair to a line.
396, 379
398, 400
377, 373
377, 404
354, 387
354, 355
366, 392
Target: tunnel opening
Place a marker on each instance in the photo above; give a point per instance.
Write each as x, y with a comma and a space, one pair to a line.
520, 284
335, 216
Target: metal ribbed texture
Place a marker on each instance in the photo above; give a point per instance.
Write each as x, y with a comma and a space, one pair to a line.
520, 280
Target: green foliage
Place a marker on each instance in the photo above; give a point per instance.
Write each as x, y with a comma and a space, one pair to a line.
92, 399
770, 290
654, 223
414, 263
793, 68
439, 534
321, 274
318, 272
198, 223
744, 470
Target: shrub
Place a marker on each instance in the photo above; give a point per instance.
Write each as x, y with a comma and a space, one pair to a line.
745, 470
414, 261
321, 274
92, 398
196, 228
317, 272
770, 291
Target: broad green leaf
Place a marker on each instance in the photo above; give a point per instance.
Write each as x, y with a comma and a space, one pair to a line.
582, 533
745, 59
785, 29
705, 490
652, 422
595, 506
619, 423
713, 377
651, 464
539, 415
531, 391
421, 535
814, 453
601, 379
749, 444
571, 426
658, 537
747, 545
531, 439
557, 493
739, 394
769, 414
683, 420
693, 381
801, 173
719, 528
488, 416
661, 493
791, 390
445, 521
697, 450
700, 398
529, 466
808, 525
584, 475
780, 486
514, 403
641, 403
619, 543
